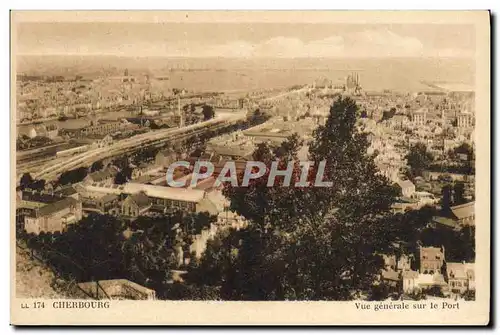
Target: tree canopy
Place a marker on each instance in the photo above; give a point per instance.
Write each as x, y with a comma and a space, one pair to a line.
307, 243
208, 112
96, 166
73, 176
26, 180
419, 159
87, 251
459, 193
123, 176
103, 247
465, 149
386, 115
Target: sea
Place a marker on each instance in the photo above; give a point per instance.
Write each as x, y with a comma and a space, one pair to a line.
226, 74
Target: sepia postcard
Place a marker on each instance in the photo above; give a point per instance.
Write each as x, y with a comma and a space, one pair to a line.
250, 168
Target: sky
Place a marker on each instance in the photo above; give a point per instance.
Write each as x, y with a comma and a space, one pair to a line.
245, 40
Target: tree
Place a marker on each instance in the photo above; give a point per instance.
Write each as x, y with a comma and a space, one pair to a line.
215, 262
123, 176
257, 117
308, 243
197, 152
405, 229
103, 247
364, 114
406, 171
458, 193
89, 250
465, 249
445, 178
150, 254
459, 245
419, 159
208, 112
121, 162
380, 292
448, 133
435, 291
386, 115
465, 149
469, 295
120, 178
73, 176
446, 198
26, 180
152, 250
417, 295
258, 202
96, 166
38, 185
145, 154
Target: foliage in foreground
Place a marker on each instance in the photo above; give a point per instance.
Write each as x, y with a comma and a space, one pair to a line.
307, 243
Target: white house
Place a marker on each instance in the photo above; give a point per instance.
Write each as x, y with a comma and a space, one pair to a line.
407, 188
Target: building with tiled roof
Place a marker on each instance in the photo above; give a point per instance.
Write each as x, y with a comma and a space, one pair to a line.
100, 202
106, 176
407, 188
416, 282
431, 259
136, 204
50, 130
461, 276
165, 157
460, 216
66, 191
113, 289
464, 214
170, 198
410, 281
54, 216
235, 152
390, 277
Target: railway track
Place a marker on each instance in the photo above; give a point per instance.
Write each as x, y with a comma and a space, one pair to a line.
129, 145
